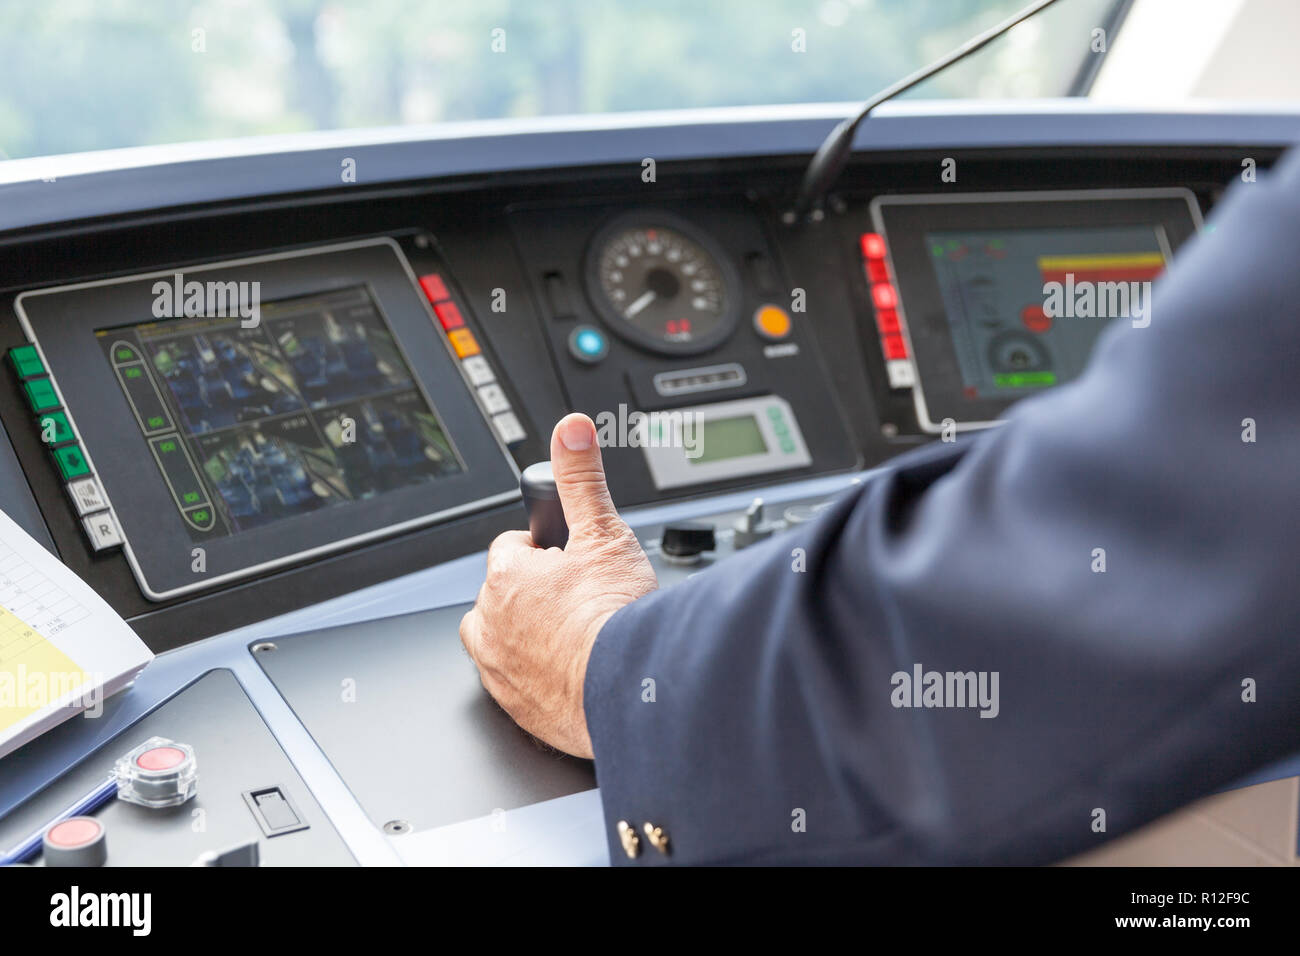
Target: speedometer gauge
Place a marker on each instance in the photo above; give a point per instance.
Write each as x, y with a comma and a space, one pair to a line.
661, 284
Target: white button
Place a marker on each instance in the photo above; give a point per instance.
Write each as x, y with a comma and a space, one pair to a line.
87, 496
478, 370
900, 373
102, 531
508, 427
494, 399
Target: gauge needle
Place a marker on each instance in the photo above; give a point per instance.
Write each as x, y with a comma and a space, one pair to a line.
644, 299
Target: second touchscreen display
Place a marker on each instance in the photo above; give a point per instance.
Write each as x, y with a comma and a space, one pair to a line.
1025, 306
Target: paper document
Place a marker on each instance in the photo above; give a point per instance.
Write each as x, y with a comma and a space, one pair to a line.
62, 648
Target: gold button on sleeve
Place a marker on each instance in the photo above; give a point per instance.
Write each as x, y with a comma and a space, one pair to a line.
627, 836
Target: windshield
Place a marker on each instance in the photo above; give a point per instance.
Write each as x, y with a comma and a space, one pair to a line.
79, 75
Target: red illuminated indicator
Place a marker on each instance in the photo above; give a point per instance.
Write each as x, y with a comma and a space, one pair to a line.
678, 326
1035, 319
75, 832
160, 758
894, 346
884, 296
887, 320
434, 287
873, 246
449, 315
876, 271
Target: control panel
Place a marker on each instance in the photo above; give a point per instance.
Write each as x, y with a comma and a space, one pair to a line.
228, 419
982, 299
686, 343
177, 788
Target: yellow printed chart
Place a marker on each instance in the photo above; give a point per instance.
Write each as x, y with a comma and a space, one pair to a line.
33, 672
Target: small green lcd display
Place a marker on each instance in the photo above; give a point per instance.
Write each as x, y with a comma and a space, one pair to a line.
723, 438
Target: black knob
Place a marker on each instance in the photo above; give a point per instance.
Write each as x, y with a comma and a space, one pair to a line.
542, 502
686, 540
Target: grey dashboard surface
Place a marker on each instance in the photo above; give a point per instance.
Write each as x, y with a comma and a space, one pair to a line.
397, 707
235, 752
82, 186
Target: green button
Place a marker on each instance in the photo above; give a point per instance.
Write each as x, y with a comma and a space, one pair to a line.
26, 362
202, 519
787, 445
72, 463
41, 395
55, 428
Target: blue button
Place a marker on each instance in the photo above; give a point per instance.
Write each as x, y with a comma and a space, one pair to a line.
588, 344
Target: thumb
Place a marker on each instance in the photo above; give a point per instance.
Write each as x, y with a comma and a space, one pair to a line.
580, 479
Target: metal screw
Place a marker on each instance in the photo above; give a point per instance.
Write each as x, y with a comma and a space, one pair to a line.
263, 647
397, 827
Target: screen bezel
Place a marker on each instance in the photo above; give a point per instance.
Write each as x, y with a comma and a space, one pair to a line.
157, 546
905, 220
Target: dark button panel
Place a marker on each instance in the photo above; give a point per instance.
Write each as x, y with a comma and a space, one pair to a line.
84, 491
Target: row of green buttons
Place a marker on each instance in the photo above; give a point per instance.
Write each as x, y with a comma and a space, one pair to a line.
779, 426
56, 430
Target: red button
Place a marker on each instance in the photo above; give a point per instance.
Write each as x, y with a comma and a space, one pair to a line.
449, 315
883, 295
1035, 319
887, 320
894, 346
160, 758
434, 287
873, 246
876, 271
75, 832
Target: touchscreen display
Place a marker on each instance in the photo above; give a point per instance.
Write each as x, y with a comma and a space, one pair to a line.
311, 408
1025, 306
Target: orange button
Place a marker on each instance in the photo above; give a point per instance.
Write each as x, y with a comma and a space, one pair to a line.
772, 322
463, 341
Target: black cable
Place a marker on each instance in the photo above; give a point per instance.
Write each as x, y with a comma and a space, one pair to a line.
829, 160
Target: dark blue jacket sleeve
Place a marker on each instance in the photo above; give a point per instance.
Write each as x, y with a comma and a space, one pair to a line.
774, 736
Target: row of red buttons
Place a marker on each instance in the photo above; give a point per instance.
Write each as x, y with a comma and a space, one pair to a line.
453, 323
447, 311
884, 297
482, 379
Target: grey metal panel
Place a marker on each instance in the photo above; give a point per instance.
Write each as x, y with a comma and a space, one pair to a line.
16, 498
235, 752
121, 181
422, 741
